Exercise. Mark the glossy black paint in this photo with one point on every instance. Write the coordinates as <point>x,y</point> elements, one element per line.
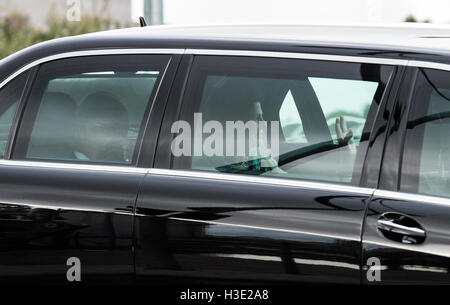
<point>425,263</point>
<point>136,39</point>
<point>213,231</point>
<point>389,175</point>
<point>426,260</point>
<point>49,215</point>
<point>376,143</point>
<point>20,110</point>
<point>147,152</point>
<point>163,157</point>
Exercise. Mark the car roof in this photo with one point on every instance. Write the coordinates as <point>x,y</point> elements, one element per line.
<point>409,41</point>
<point>403,36</point>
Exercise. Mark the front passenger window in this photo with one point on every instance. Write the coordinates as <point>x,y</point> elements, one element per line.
<point>90,109</point>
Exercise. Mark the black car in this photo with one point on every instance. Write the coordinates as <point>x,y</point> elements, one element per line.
<point>358,191</point>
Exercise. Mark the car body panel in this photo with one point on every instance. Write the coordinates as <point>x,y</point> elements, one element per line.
<point>222,231</point>
<point>50,214</point>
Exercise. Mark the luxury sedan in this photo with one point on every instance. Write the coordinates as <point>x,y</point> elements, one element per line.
<point>228,154</point>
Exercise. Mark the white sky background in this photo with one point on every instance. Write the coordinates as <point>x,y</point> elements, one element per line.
<point>299,11</point>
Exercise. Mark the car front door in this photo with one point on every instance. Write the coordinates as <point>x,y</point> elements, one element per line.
<point>209,213</point>
<point>407,232</point>
<point>70,181</point>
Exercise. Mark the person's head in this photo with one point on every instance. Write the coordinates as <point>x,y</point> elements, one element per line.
<point>102,128</point>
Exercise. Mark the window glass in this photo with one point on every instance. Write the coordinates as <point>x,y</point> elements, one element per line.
<point>355,95</point>
<point>9,100</point>
<point>91,109</point>
<point>313,114</point>
<point>290,120</point>
<point>426,167</point>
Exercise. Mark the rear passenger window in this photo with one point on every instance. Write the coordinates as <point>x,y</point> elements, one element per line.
<point>426,167</point>
<point>90,109</point>
<point>9,100</point>
<point>317,115</point>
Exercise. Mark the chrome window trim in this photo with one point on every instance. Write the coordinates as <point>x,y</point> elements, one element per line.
<point>292,55</point>
<point>325,186</point>
<point>429,65</point>
<point>89,53</point>
<point>75,166</point>
<point>289,182</point>
<point>410,197</point>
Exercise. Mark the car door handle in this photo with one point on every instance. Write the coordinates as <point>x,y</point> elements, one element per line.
<point>390,226</point>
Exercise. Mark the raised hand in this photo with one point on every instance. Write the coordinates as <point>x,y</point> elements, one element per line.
<point>345,135</point>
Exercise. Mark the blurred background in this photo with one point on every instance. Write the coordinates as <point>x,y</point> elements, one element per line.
<point>26,22</point>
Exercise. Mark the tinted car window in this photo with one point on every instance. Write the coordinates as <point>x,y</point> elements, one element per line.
<point>426,167</point>
<point>9,100</point>
<point>90,109</point>
<point>321,113</point>
<point>290,120</point>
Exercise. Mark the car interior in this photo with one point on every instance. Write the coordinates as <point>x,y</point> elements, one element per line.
<point>231,98</point>
<point>91,118</point>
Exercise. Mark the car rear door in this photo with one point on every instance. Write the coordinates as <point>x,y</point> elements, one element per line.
<point>69,179</point>
<point>294,215</point>
<point>407,223</point>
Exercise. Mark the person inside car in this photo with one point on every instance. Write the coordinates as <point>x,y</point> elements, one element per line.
<point>102,129</point>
